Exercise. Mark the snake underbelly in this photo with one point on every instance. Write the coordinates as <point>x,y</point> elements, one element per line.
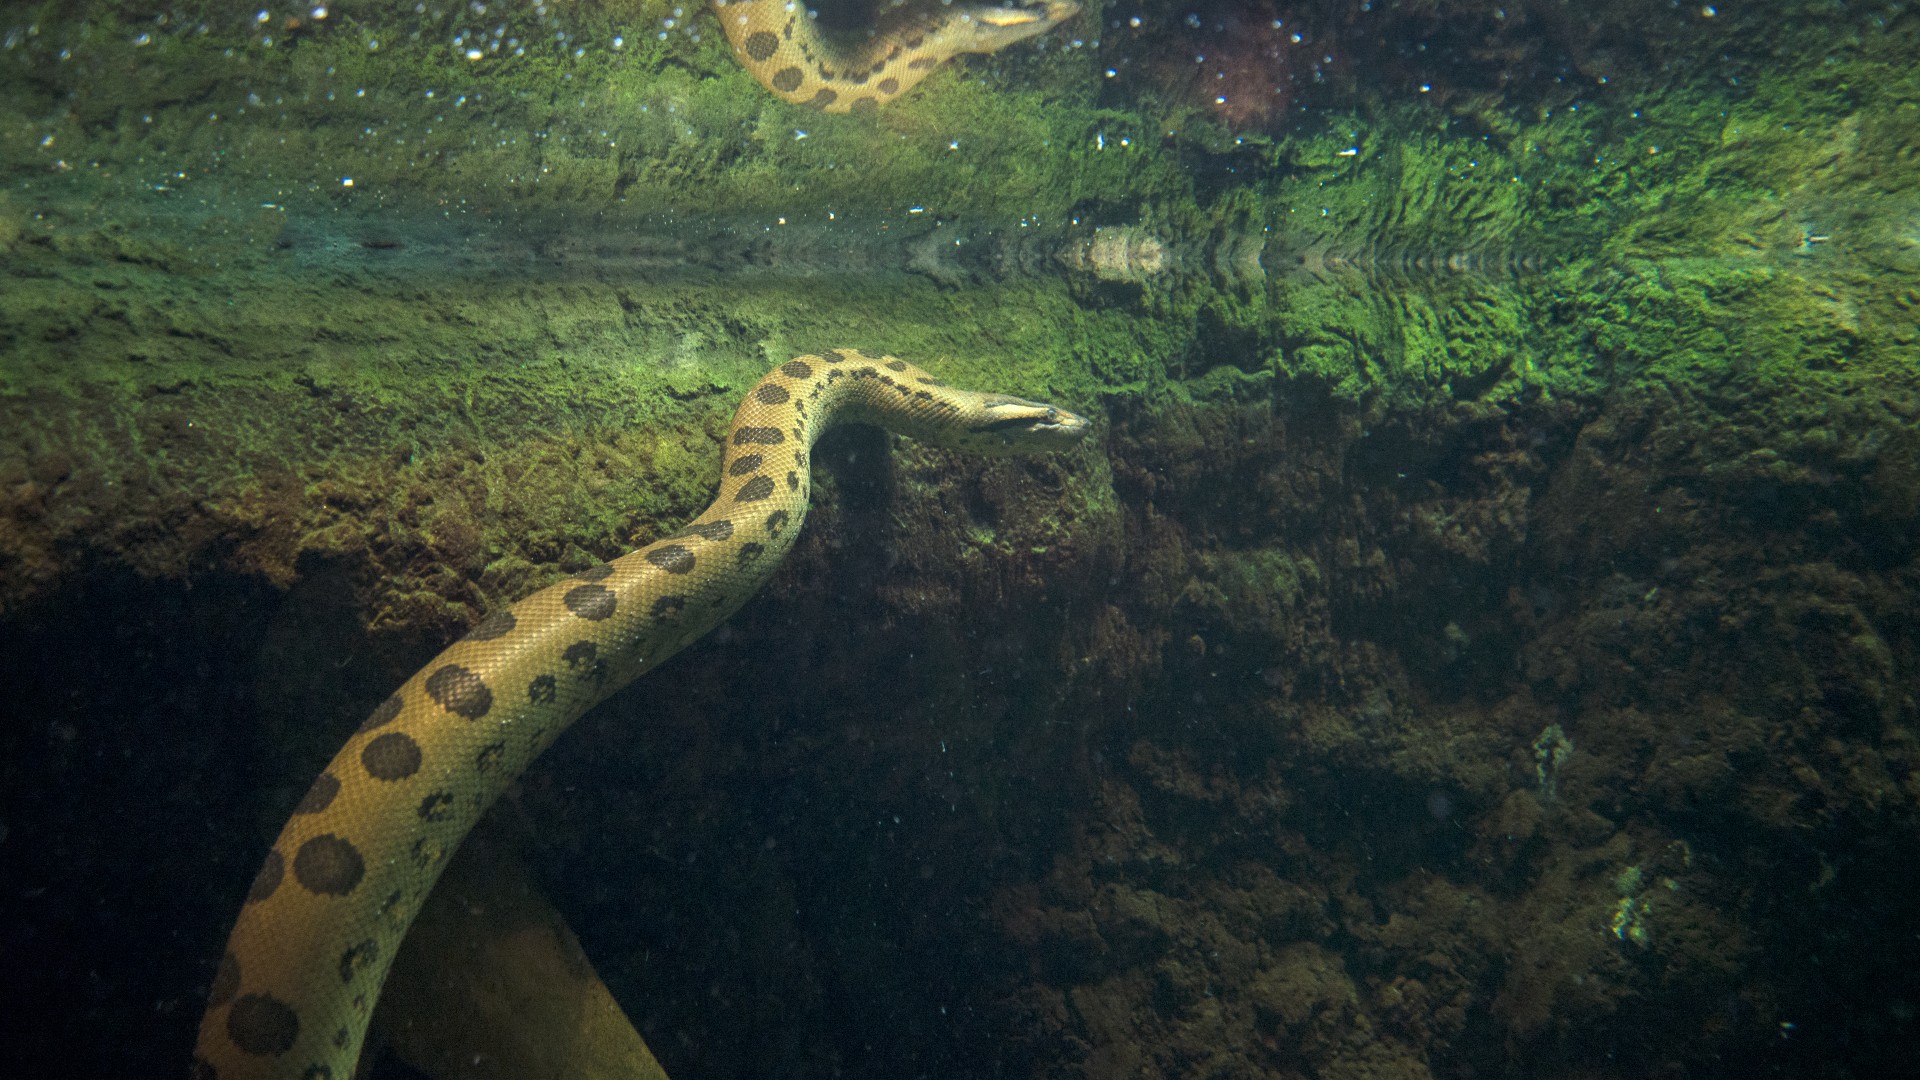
<point>311,948</point>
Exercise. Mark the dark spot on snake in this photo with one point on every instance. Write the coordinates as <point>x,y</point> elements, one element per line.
<point>672,558</point>
<point>712,530</point>
<point>888,86</point>
<point>226,981</point>
<point>744,465</point>
<point>775,522</point>
<point>320,795</point>
<point>489,757</point>
<point>393,756</point>
<point>771,394</point>
<point>580,655</point>
<point>382,715</point>
<point>796,369</point>
<point>923,395</point>
<point>896,365</point>
<point>823,99</point>
<point>786,80</point>
<point>263,1025</point>
<point>914,42</point>
<point>928,380</point>
<point>268,879</point>
<point>750,551</point>
<point>920,63</point>
<point>541,690</point>
<point>497,625</point>
<point>460,691</point>
<point>666,605</point>
<point>598,572</point>
<point>435,807</point>
<point>341,1038</point>
<point>760,436</point>
<point>793,481</point>
<point>357,959</point>
<point>328,865</point>
<point>592,602</point>
<point>760,45</point>
<point>754,490</point>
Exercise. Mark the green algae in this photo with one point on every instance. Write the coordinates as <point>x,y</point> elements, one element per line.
<point>667,123</point>
<point>1643,229</point>
<point>170,295</point>
<point>1486,249</point>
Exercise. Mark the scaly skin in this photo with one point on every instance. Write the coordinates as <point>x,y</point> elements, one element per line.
<point>327,911</point>
<point>784,48</point>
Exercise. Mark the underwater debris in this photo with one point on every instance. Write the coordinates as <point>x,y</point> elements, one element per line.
<point>1550,751</point>
<point>1629,921</point>
<point>1126,254</point>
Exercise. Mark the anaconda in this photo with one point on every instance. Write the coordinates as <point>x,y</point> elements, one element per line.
<point>782,44</point>
<point>320,925</point>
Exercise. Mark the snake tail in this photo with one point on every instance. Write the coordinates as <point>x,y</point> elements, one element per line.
<point>781,43</point>
<point>491,983</point>
<point>322,921</point>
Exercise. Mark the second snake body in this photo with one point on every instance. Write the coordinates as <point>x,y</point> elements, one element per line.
<point>782,44</point>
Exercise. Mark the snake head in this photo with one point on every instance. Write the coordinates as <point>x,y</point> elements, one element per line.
<point>1011,425</point>
<point>994,27</point>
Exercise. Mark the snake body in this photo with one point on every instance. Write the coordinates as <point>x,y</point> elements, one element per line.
<point>782,45</point>
<point>324,916</point>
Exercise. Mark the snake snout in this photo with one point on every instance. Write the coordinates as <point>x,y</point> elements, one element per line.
<point>1018,426</point>
<point>1060,428</point>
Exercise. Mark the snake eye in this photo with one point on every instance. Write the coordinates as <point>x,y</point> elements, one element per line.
<point>1052,415</point>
